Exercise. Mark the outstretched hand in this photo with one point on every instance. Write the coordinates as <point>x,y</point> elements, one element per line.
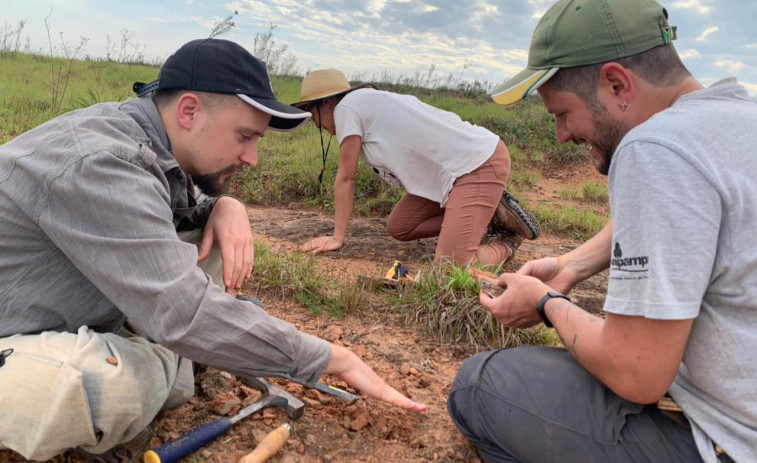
<point>349,368</point>
<point>229,226</point>
<point>322,244</point>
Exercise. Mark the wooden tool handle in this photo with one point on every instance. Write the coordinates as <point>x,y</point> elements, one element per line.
<point>270,444</point>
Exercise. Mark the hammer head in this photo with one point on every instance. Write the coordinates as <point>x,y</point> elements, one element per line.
<point>293,406</point>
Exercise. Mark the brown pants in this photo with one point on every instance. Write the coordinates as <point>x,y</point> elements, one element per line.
<point>461,224</point>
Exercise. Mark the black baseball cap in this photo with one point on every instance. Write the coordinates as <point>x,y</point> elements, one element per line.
<point>222,66</point>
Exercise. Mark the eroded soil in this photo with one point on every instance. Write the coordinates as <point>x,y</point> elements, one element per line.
<point>331,430</point>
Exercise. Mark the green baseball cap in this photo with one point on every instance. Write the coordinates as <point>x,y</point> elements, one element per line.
<point>581,32</point>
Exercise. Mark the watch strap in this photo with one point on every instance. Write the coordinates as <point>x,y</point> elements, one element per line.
<point>543,302</point>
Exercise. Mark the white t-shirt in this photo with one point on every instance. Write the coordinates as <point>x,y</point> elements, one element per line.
<point>683,196</point>
<point>410,144</point>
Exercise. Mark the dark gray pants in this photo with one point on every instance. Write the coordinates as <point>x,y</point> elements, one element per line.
<point>537,404</point>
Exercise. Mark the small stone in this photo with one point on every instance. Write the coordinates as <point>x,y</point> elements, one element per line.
<point>259,435</point>
<point>312,403</point>
<point>299,447</point>
<point>359,422</point>
<point>311,439</point>
<point>248,391</point>
<point>223,403</point>
<point>112,360</point>
<point>206,454</point>
<point>333,333</point>
<point>405,369</point>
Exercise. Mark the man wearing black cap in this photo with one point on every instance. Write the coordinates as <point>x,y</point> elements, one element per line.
<point>94,203</point>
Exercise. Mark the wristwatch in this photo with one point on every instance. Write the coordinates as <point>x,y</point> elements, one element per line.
<point>543,302</point>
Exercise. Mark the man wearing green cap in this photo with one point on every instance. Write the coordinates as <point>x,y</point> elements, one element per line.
<point>680,312</point>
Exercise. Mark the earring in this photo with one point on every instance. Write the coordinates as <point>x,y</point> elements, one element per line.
<point>625,106</point>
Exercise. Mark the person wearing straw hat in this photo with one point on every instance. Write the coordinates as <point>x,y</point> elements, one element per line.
<point>454,172</point>
<point>669,373</point>
<point>106,299</point>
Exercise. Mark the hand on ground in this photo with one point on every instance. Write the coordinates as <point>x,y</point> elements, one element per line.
<point>322,244</point>
<point>349,368</point>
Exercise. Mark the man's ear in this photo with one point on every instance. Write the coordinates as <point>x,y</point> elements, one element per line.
<point>616,83</point>
<point>188,108</point>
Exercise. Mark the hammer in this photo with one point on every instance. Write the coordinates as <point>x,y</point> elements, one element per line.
<point>273,396</point>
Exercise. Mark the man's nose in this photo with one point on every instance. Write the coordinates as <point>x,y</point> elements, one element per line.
<point>250,156</point>
<point>561,132</point>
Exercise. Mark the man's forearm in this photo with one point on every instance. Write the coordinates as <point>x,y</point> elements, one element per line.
<point>634,356</point>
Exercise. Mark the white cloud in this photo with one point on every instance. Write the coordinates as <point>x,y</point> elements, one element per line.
<point>752,88</point>
<point>733,67</point>
<point>689,54</point>
<point>207,23</point>
<point>710,30</point>
<point>695,5</point>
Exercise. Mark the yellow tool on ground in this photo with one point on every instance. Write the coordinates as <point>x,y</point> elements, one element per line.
<point>396,271</point>
<point>270,444</point>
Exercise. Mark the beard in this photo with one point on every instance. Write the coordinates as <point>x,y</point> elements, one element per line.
<point>211,184</point>
<point>607,136</point>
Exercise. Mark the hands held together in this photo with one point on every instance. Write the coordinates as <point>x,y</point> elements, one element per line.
<point>515,307</point>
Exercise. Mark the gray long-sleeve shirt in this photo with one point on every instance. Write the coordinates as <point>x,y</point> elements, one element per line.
<point>90,206</point>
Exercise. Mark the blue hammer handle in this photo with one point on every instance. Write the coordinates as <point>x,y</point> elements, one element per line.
<point>177,449</point>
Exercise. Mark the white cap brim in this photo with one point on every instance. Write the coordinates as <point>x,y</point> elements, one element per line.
<point>520,86</point>
<point>285,117</point>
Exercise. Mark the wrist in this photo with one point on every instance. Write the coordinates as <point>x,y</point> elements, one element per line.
<point>541,305</point>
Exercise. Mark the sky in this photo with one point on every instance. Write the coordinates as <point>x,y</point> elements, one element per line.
<point>372,40</point>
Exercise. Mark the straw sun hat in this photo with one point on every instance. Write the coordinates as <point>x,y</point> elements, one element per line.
<point>322,84</point>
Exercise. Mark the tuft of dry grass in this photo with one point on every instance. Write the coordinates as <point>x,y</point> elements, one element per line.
<point>445,303</point>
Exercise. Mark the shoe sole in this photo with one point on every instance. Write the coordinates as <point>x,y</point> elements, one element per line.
<point>510,215</point>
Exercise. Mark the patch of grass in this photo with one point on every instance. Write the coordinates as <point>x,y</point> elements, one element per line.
<point>445,303</point>
<point>591,192</point>
<point>580,223</point>
<point>569,193</point>
<point>26,88</point>
<point>595,192</point>
<point>296,275</point>
<point>286,274</point>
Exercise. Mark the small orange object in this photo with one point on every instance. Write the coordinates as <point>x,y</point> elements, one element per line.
<point>270,444</point>
<point>112,360</point>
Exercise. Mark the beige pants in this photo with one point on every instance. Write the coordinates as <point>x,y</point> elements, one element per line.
<point>86,389</point>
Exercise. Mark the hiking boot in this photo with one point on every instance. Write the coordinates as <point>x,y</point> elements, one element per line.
<point>122,453</point>
<point>506,236</point>
<point>510,215</point>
